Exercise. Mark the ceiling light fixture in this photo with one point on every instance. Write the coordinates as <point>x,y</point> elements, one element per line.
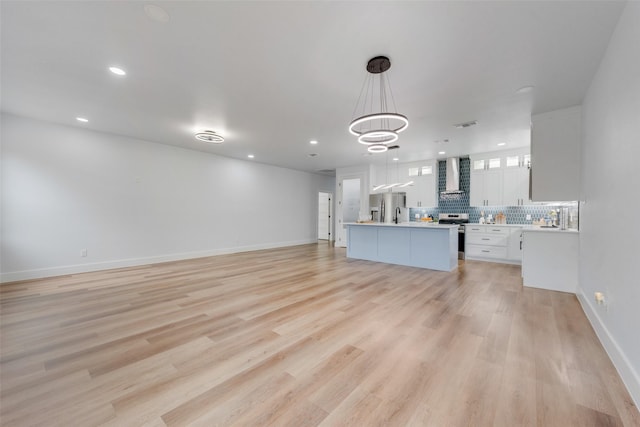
<point>442,152</point>
<point>82,119</point>
<point>376,128</point>
<point>377,148</point>
<point>117,71</point>
<point>397,183</point>
<point>313,142</point>
<point>209,136</point>
<point>251,156</point>
<point>500,144</point>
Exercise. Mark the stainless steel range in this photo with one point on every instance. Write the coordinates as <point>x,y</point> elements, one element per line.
<point>460,219</point>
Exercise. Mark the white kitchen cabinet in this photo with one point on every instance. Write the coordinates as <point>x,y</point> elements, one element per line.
<point>500,178</point>
<point>423,192</point>
<point>490,243</point>
<point>486,187</point>
<point>515,186</point>
<point>514,248</point>
<point>555,155</point>
<point>550,259</point>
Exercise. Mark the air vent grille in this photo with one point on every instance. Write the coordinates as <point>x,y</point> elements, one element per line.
<point>466,124</point>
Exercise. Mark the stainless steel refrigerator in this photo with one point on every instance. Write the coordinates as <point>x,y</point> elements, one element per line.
<point>389,207</point>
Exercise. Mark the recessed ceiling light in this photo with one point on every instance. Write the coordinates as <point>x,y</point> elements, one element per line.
<point>156,13</point>
<point>395,159</point>
<point>313,142</point>
<point>442,152</point>
<point>209,136</point>
<point>500,144</point>
<point>118,71</point>
<point>525,89</point>
<point>251,156</point>
<point>82,119</point>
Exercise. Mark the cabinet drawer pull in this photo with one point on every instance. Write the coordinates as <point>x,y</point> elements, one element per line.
<point>486,251</point>
<point>493,229</point>
<point>484,238</point>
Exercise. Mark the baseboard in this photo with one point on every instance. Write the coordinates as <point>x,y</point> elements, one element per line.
<point>132,262</point>
<point>629,376</point>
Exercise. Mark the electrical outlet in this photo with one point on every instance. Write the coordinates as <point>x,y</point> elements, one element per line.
<point>83,253</point>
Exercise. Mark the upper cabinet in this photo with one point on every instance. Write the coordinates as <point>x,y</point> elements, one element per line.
<point>423,191</point>
<point>500,178</point>
<point>417,179</point>
<point>515,186</point>
<point>555,155</point>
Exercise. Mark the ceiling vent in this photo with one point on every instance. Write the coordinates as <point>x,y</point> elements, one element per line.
<point>466,124</point>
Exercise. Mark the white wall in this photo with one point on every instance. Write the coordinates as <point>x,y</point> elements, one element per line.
<point>609,226</point>
<point>130,202</point>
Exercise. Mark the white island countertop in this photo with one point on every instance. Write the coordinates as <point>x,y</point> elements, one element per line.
<point>404,224</point>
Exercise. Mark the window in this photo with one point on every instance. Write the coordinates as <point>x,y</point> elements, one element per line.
<point>513,161</point>
<point>494,163</point>
<point>478,165</point>
<point>427,170</point>
<point>413,171</point>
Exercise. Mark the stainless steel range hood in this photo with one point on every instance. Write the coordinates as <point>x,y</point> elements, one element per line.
<point>453,176</point>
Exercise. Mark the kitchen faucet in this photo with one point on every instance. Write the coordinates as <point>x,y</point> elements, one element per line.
<point>397,216</point>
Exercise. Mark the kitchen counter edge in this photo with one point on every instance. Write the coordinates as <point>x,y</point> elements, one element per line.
<point>403,224</point>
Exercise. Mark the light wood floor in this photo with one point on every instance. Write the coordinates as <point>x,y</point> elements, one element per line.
<point>301,336</point>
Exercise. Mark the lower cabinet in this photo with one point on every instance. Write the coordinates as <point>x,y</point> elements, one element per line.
<point>497,243</point>
<point>550,260</point>
<point>514,251</point>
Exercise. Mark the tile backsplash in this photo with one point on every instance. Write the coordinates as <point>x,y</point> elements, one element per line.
<point>459,203</point>
<point>514,214</point>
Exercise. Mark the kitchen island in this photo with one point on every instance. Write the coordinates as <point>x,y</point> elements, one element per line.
<point>414,244</point>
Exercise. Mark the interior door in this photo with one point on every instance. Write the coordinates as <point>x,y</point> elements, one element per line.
<point>324,216</point>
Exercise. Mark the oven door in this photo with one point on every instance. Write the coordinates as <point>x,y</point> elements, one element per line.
<point>461,242</point>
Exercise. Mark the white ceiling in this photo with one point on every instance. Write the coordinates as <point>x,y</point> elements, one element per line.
<point>270,76</point>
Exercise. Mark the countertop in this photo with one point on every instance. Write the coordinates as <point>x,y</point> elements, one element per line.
<point>420,224</point>
<point>538,229</point>
<point>412,224</point>
<point>498,225</point>
<point>529,227</point>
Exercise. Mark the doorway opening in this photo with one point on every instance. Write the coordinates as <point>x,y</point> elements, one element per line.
<point>348,209</point>
<point>324,216</point>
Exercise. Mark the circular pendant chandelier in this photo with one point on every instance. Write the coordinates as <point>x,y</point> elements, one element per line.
<point>375,124</point>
